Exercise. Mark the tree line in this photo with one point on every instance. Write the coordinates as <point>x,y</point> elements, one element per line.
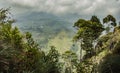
<point>19,53</point>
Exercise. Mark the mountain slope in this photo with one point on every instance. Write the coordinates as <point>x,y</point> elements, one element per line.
<point>44,26</point>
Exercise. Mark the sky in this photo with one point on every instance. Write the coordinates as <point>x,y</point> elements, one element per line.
<point>83,8</point>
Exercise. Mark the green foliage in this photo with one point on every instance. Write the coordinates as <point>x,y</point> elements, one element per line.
<point>19,53</point>
<point>110,18</point>
<point>70,60</point>
<point>110,64</point>
<point>116,49</point>
<point>88,29</point>
<point>84,67</point>
<point>70,55</point>
<point>95,19</point>
<point>102,42</point>
<point>11,45</point>
<point>88,32</point>
<point>50,62</point>
<point>3,14</point>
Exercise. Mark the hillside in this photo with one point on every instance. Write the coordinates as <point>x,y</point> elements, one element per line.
<point>44,26</point>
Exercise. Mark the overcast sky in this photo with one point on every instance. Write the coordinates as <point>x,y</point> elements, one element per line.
<point>65,7</point>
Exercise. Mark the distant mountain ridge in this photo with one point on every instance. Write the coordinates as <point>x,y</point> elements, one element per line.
<point>41,19</point>
<point>44,26</point>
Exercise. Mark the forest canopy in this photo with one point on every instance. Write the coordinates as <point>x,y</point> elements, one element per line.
<point>19,53</point>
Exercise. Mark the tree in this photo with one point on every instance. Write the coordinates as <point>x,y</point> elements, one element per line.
<point>11,43</point>
<point>109,42</point>
<point>52,59</point>
<point>71,60</point>
<point>110,18</point>
<point>19,53</point>
<point>88,32</point>
<point>110,23</point>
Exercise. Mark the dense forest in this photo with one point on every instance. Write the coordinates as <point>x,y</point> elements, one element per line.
<point>99,41</point>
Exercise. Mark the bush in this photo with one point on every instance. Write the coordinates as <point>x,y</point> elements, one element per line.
<point>110,64</point>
